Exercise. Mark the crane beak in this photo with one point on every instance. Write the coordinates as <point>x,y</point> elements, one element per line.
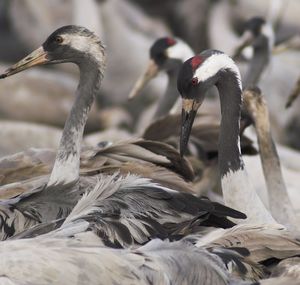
<point>150,73</point>
<point>189,111</point>
<point>37,57</point>
<point>245,41</point>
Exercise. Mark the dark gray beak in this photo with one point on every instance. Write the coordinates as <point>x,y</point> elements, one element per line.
<point>189,111</point>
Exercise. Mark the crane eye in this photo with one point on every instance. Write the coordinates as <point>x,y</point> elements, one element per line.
<point>194,81</point>
<point>160,56</point>
<point>58,39</point>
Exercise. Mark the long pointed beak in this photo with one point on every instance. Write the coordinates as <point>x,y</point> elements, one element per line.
<point>150,73</point>
<point>245,41</point>
<point>37,57</point>
<point>189,111</point>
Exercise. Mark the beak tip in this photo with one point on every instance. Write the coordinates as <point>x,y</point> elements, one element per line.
<point>2,76</point>
<point>130,97</point>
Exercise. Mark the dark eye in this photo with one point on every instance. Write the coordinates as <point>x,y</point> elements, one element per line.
<point>58,39</point>
<point>159,58</point>
<point>194,81</point>
<point>160,55</point>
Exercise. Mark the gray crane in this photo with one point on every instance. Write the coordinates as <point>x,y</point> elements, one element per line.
<point>196,76</point>
<point>55,197</point>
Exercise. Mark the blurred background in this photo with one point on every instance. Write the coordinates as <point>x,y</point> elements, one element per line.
<point>34,104</point>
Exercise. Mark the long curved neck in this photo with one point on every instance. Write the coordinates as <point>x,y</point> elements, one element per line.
<point>66,166</point>
<point>229,141</point>
<point>166,103</point>
<point>258,63</point>
<point>237,190</point>
<point>280,204</point>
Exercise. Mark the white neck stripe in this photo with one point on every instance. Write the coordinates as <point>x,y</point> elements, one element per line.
<point>212,65</point>
<point>180,50</point>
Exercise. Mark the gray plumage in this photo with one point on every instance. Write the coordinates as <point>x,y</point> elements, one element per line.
<point>289,267</point>
<point>40,201</point>
<point>56,199</point>
<point>20,209</point>
<point>40,205</point>
<point>286,272</point>
<point>82,261</point>
<point>130,210</point>
<point>263,241</point>
<point>143,157</point>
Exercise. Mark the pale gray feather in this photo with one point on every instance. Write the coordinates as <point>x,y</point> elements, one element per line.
<point>262,241</point>
<point>83,261</point>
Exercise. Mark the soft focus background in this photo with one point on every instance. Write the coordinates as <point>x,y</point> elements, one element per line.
<point>35,104</point>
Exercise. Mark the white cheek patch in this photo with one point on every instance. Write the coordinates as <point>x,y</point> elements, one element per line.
<point>212,65</point>
<point>84,44</point>
<point>180,50</point>
<point>80,43</point>
<point>248,52</point>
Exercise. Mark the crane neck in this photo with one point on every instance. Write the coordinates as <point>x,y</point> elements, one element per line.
<point>168,100</point>
<point>237,190</point>
<point>260,60</point>
<point>67,162</point>
<point>229,141</point>
<point>280,204</point>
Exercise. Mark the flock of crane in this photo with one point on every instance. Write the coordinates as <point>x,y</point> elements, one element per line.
<point>136,211</point>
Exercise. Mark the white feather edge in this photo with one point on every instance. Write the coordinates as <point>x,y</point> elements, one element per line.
<point>211,237</point>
